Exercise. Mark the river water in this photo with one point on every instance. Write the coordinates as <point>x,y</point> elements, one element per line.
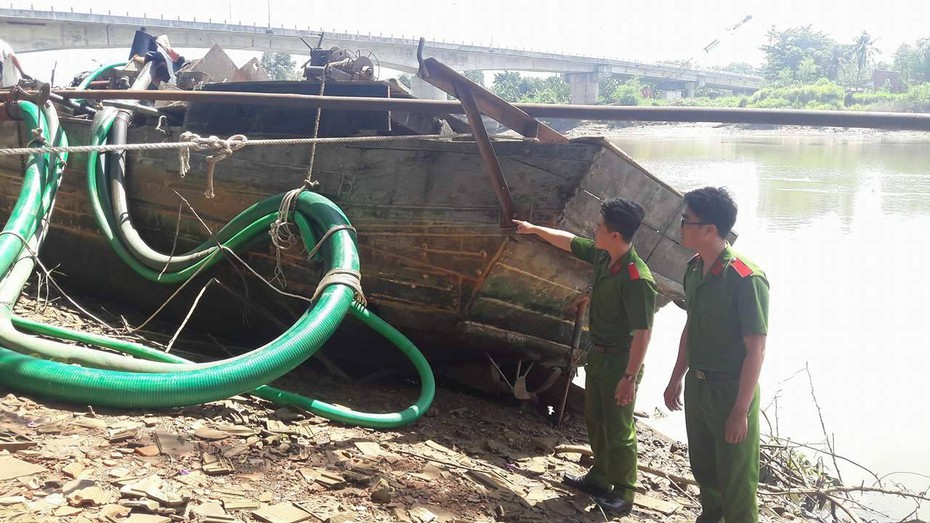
<point>839,222</point>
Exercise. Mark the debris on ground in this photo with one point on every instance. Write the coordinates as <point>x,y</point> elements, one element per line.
<point>244,459</point>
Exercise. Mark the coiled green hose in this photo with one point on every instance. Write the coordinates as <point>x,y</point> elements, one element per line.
<point>314,215</point>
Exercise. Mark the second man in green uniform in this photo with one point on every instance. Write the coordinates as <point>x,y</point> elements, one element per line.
<point>723,344</point>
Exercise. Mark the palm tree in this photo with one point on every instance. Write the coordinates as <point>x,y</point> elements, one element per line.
<point>863,49</point>
<point>839,57</point>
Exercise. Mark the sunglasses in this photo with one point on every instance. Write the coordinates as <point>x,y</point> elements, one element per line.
<point>684,221</point>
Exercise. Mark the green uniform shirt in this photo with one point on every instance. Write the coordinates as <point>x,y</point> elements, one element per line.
<point>729,302</point>
<point>623,296</point>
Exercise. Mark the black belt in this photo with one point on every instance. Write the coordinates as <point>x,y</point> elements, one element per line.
<point>705,375</point>
<point>603,349</point>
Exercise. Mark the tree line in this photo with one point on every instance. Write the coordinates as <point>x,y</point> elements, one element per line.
<point>802,69</point>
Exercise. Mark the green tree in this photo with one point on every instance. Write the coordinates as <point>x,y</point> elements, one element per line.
<point>629,92</point>
<point>836,62</point>
<point>922,60</point>
<point>808,71</point>
<point>549,90</point>
<point>862,51</point>
<point>905,61</point>
<point>507,85</point>
<point>475,76</point>
<point>279,66</point>
<point>787,49</point>
<point>513,87</point>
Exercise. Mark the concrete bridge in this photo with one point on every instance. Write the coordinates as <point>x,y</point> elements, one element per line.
<point>32,30</point>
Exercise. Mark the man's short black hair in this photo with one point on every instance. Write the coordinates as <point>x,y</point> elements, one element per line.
<point>622,216</point>
<point>713,205</point>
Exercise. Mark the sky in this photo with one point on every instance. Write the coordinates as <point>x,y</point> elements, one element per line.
<point>643,31</point>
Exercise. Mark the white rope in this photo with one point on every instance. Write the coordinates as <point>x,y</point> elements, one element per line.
<point>348,277</point>
<point>222,149</point>
<point>282,234</point>
<point>18,151</point>
<point>309,183</point>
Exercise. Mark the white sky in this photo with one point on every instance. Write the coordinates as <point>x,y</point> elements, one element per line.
<point>645,31</point>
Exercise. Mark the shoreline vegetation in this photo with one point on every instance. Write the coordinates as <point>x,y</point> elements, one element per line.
<point>802,69</point>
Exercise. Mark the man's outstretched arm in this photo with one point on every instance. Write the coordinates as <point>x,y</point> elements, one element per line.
<point>558,238</point>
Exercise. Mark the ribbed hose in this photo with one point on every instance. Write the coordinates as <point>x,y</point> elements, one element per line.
<point>313,215</point>
<point>116,172</point>
<point>235,235</point>
<point>133,390</point>
<point>282,397</point>
<point>29,206</point>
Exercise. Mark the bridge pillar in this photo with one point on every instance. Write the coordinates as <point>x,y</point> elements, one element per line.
<point>423,89</point>
<point>584,87</point>
<point>689,89</point>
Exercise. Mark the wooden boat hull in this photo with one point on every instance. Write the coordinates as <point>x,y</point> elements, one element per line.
<point>435,263</point>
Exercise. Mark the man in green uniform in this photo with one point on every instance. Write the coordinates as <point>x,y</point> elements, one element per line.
<point>622,307</point>
<point>723,344</point>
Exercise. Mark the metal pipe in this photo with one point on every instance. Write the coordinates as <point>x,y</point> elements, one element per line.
<point>71,104</point>
<point>581,309</point>
<point>130,106</point>
<point>874,120</point>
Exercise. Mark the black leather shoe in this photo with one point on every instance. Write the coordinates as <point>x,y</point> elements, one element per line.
<point>614,504</point>
<point>578,482</point>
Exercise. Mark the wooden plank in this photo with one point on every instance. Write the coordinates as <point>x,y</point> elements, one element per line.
<point>11,467</point>
<point>282,513</point>
<point>171,444</point>
<point>665,507</point>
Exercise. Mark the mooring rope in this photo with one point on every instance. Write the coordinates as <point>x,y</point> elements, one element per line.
<point>219,142</point>
<point>281,232</point>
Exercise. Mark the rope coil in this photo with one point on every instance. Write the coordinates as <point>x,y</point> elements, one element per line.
<point>282,233</point>
<point>223,149</point>
<point>38,138</point>
<point>347,277</point>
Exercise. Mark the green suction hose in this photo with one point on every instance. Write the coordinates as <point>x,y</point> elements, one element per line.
<point>314,216</point>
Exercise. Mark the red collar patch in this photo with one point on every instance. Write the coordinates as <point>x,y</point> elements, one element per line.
<point>741,268</point>
<point>615,268</point>
<point>717,267</point>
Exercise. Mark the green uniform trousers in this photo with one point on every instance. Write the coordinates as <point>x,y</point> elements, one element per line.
<point>611,431</point>
<point>728,475</point>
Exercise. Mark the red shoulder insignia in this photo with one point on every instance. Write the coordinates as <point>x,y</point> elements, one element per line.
<point>741,268</point>
<point>634,272</point>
